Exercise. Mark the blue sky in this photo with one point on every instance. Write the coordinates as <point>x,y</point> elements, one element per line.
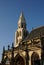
<point>9,14</point>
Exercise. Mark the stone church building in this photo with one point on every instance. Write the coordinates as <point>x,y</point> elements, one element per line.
<point>27,49</point>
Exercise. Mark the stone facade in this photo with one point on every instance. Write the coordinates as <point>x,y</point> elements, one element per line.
<point>28,48</point>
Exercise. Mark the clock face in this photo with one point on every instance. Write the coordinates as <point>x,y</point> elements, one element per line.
<point>19,61</point>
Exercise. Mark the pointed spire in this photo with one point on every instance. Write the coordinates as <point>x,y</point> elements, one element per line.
<point>8,47</point>
<point>3,48</point>
<point>21,15</point>
<point>21,19</point>
<point>12,44</point>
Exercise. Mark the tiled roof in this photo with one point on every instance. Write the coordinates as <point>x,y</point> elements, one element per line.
<point>36,33</point>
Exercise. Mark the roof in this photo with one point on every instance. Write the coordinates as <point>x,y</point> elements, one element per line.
<point>35,33</point>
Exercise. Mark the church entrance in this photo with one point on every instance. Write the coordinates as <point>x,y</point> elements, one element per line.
<point>35,59</point>
<point>19,60</point>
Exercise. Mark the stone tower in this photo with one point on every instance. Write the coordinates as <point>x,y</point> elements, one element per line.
<point>21,32</point>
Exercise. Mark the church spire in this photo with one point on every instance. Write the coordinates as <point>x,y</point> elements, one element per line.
<point>22,16</point>
<point>21,21</point>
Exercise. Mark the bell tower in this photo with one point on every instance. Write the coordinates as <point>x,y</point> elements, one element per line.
<point>21,32</point>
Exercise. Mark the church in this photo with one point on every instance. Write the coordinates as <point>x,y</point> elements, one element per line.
<point>27,49</point>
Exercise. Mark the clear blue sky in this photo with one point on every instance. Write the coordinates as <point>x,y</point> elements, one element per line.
<point>9,14</point>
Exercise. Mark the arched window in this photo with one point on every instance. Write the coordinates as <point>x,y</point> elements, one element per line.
<point>17,33</point>
<point>35,60</point>
<point>19,60</point>
<point>7,62</point>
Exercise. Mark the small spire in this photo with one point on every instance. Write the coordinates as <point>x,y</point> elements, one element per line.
<point>3,48</point>
<point>12,45</point>
<point>21,19</point>
<point>21,15</point>
<point>8,47</point>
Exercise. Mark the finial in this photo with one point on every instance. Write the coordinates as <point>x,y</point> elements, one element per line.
<point>3,48</point>
<point>22,14</point>
<point>32,28</point>
<point>12,44</point>
<point>8,47</point>
<point>21,19</point>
